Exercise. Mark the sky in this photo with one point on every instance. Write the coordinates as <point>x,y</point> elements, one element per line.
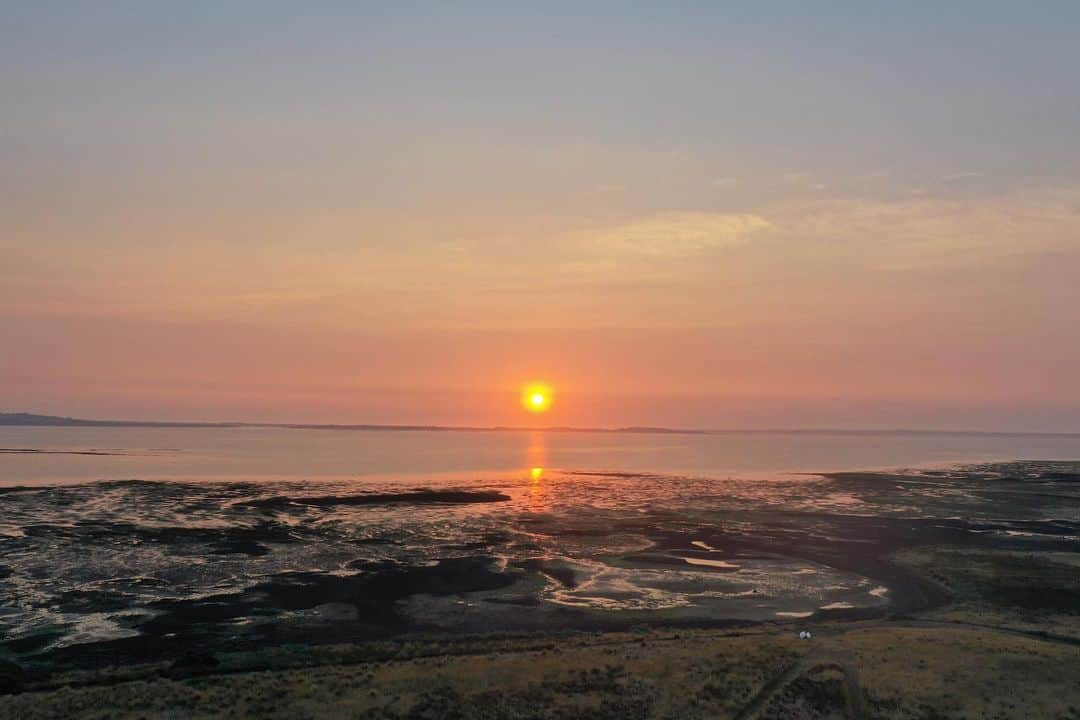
<point>724,215</point>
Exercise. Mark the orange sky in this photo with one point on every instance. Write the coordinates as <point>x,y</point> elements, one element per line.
<point>701,219</point>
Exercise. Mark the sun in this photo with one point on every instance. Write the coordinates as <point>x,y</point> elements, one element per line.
<point>536,397</point>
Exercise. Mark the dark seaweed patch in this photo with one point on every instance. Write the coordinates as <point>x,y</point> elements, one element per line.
<point>240,547</point>
<point>35,451</point>
<point>184,625</point>
<point>226,540</point>
<point>1061,476</point>
<point>90,601</point>
<point>32,643</point>
<point>613,474</point>
<point>423,497</point>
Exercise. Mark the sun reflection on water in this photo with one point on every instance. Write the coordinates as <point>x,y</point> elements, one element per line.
<point>535,462</point>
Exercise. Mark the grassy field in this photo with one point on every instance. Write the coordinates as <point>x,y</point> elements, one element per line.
<point>945,672</point>
<point>687,674</point>
<point>873,670</point>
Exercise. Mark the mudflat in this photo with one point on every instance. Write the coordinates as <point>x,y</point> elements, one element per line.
<point>930,593</point>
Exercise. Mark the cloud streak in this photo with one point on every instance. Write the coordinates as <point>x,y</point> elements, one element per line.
<point>678,234</point>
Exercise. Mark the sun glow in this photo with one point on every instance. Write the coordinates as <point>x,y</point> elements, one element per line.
<point>536,397</point>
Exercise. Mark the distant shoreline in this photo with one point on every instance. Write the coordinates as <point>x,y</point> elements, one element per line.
<point>22,419</point>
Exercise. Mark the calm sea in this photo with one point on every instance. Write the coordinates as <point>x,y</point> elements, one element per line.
<point>191,454</point>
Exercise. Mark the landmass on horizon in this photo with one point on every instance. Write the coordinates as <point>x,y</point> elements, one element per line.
<point>24,419</point>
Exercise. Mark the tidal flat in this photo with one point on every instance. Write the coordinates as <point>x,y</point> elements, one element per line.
<point>575,594</point>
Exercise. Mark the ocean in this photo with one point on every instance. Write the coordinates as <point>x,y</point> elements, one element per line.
<point>265,453</point>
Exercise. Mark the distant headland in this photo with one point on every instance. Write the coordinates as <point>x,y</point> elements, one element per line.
<point>24,419</point>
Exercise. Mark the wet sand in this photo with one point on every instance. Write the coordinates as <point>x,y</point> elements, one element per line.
<point>136,598</point>
<point>122,572</point>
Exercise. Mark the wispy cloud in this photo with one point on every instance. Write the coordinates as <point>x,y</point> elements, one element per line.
<point>678,234</point>
<point>926,231</point>
<point>961,176</point>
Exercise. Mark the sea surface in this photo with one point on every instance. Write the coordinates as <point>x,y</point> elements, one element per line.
<point>262,454</point>
<point>125,544</point>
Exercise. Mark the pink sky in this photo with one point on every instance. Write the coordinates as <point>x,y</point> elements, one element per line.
<point>701,220</point>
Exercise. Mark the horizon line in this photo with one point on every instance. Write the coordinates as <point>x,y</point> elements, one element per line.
<point>25,419</point>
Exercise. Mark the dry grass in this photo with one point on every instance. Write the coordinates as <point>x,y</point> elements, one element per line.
<point>905,672</point>
<point>964,673</point>
<point>691,674</point>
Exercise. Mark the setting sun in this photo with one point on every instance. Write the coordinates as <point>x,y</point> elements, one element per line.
<point>536,397</point>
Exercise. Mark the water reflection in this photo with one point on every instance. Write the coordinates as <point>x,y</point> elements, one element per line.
<point>535,461</point>
<point>536,452</point>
